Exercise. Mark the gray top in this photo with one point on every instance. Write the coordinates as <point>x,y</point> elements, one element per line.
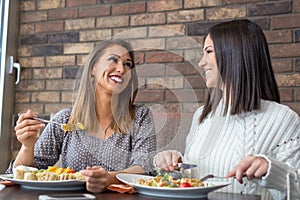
<point>78,149</point>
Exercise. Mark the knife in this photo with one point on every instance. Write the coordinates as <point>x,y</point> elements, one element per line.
<point>186,166</point>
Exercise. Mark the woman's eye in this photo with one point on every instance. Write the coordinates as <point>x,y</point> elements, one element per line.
<point>114,59</point>
<point>129,65</point>
<point>209,51</point>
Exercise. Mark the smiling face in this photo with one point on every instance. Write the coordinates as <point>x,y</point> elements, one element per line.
<point>209,63</point>
<point>112,70</point>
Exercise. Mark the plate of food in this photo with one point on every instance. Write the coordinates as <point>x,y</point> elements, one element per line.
<point>166,186</point>
<point>53,178</point>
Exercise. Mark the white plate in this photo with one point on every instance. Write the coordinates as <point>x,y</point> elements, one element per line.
<point>47,185</point>
<point>192,192</point>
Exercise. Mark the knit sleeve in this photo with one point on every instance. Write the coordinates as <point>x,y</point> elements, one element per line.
<point>194,125</point>
<point>284,155</point>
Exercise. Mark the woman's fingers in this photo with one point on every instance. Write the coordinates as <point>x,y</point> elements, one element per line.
<point>96,178</point>
<point>27,128</point>
<point>167,160</point>
<point>252,166</point>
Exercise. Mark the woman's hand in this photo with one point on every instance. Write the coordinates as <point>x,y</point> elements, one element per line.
<point>252,166</point>
<point>167,160</point>
<point>97,179</point>
<point>27,129</point>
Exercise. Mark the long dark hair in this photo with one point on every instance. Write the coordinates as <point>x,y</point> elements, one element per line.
<point>84,106</point>
<point>245,68</point>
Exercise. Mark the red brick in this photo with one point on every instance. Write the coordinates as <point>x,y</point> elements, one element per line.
<point>296,4</point>
<point>26,29</point>
<point>269,8</point>
<point>33,16</point>
<point>68,13</point>
<point>82,3</point>
<point>54,107</point>
<point>289,21</point>
<point>201,3</point>
<point>22,97</point>
<point>49,27</point>
<point>129,8</point>
<point>80,24</point>
<point>45,97</point>
<point>50,4</point>
<point>286,94</point>
<point>181,69</point>
<point>165,82</point>
<point>139,57</point>
<point>34,107</point>
<point>195,82</point>
<point>155,6</point>
<point>26,74</point>
<point>279,36</point>
<point>162,56</point>
<point>112,21</point>
<point>151,70</point>
<point>185,16</point>
<point>184,95</point>
<point>282,65</point>
<point>297,95</point>
<point>94,11</point>
<point>150,96</point>
<point>166,30</point>
<point>27,5</point>
<point>242,1</point>
<point>228,12</point>
<point>25,51</point>
<point>62,84</point>
<point>285,50</point>
<point>286,80</point>
<point>148,19</point>
<point>27,85</point>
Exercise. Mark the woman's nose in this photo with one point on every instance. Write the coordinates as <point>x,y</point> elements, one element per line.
<point>202,62</point>
<point>120,67</point>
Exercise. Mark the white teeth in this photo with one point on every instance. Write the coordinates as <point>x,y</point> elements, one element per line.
<point>207,72</point>
<point>116,79</point>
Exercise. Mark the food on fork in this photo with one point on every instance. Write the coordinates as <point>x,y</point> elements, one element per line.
<point>65,127</point>
<point>72,127</point>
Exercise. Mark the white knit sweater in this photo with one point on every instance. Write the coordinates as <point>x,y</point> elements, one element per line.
<point>219,143</point>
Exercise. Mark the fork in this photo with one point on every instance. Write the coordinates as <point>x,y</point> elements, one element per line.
<point>213,176</point>
<point>64,127</point>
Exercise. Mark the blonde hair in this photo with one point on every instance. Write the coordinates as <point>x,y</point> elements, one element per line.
<point>123,108</point>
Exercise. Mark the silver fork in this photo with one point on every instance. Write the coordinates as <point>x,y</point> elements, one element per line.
<point>64,127</point>
<point>47,121</point>
<point>213,176</point>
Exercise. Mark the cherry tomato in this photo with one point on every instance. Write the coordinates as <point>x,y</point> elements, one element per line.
<point>185,184</point>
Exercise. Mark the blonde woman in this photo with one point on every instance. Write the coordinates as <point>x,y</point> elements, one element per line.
<point>118,137</point>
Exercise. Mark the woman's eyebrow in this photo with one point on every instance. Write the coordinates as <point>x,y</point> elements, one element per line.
<point>205,48</point>
<point>128,59</point>
<point>114,55</point>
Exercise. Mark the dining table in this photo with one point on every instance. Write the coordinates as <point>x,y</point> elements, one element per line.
<point>16,192</point>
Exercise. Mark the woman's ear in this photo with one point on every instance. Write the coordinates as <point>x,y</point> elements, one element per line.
<point>93,74</point>
<point>93,71</point>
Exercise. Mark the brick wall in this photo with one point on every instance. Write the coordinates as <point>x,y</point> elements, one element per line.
<point>56,36</point>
